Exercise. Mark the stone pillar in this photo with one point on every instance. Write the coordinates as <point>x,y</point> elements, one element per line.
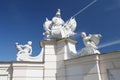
<point>65,49</point>
<point>49,60</point>
<point>55,52</point>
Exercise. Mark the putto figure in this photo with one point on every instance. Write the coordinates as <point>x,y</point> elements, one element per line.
<point>91,41</point>
<point>23,50</point>
<point>58,29</point>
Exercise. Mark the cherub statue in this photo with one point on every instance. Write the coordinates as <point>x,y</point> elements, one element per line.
<point>57,28</point>
<point>23,50</point>
<point>91,41</point>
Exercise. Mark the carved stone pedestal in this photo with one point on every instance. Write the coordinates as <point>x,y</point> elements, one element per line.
<point>55,52</point>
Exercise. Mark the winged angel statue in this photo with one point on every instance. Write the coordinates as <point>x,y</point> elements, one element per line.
<point>57,28</point>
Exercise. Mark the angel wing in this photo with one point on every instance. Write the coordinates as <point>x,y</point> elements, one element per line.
<point>47,24</point>
<point>95,38</point>
<point>71,24</point>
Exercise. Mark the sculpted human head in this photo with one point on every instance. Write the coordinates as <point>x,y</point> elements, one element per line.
<point>16,43</point>
<point>83,34</point>
<point>57,19</point>
<point>58,14</point>
<point>29,42</point>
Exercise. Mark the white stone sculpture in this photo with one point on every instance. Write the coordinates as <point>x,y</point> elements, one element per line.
<point>91,41</point>
<point>25,52</point>
<point>58,29</point>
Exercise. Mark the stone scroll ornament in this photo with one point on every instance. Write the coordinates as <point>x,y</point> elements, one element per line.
<point>91,41</point>
<point>56,28</point>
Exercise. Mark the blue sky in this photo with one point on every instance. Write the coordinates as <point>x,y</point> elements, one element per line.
<point>22,20</point>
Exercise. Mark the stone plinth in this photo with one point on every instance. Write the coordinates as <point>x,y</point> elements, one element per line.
<point>55,54</point>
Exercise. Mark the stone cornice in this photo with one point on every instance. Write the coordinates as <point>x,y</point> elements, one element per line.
<point>57,42</point>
